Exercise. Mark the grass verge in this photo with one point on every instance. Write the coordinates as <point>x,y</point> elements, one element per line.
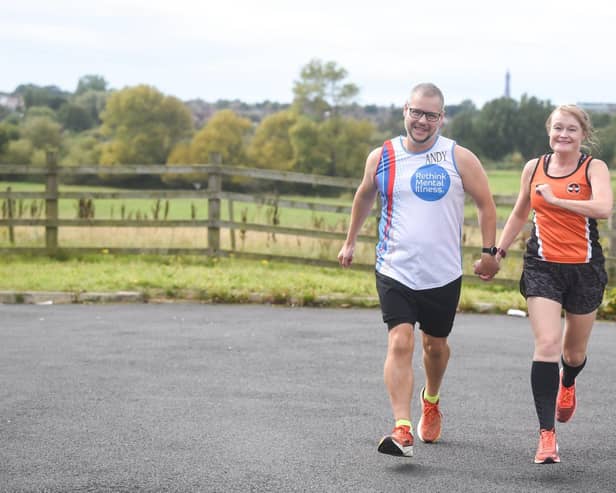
<point>224,280</point>
<point>230,280</point>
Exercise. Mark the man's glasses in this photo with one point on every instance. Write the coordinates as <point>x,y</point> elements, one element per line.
<point>416,114</point>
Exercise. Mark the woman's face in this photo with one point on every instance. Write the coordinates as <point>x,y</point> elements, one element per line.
<point>566,134</point>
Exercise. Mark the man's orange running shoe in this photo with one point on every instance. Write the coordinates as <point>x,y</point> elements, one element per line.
<point>429,426</point>
<point>399,443</point>
<point>547,451</point>
<point>565,401</point>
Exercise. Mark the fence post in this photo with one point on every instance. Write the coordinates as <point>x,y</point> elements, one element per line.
<point>214,187</point>
<point>232,219</point>
<point>10,210</point>
<point>51,203</point>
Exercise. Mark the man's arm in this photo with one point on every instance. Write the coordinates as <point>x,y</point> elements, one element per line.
<point>475,183</point>
<point>362,205</point>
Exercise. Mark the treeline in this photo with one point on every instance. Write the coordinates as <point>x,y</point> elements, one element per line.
<point>322,131</point>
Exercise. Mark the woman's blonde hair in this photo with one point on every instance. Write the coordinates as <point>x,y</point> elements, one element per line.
<point>583,119</point>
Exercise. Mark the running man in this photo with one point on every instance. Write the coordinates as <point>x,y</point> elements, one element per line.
<point>421,179</point>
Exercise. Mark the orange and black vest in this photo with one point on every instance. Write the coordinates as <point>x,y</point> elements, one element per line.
<point>559,235</point>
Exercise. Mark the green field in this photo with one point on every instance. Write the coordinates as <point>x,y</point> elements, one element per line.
<point>503,182</point>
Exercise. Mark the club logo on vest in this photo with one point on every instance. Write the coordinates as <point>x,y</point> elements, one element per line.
<point>573,188</point>
<point>430,182</point>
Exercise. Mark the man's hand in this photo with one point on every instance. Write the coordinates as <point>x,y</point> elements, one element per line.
<point>345,257</point>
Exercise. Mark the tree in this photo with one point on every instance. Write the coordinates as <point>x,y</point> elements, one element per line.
<point>4,112</point>
<point>462,127</point>
<point>606,148</point>
<point>320,92</point>
<point>310,155</point>
<point>600,120</point>
<point>18,152</point>
<point>93,102</point>
<point>226,134</point>
<point>8,132</point>
<point>497,128</point>
<point>43,132</point>
<point>179,155</point>
<point>348,142</point>
<point>271,145</point>
<point>81,149</point>
<point>451,110</point>
<point>75,117</point>
<point>143,126</point>
<point>337,147</point>
<point>40,111</point>
<point>324,141</point>
<point>91,83</point>
<point>530,137</point>
<point>34,95</point>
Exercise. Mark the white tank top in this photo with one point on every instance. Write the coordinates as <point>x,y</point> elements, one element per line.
<point>420,231</point>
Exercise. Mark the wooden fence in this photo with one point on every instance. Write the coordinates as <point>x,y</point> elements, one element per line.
<point>214,195</point>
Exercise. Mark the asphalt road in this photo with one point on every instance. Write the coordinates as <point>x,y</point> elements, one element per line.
<point>214,398</point>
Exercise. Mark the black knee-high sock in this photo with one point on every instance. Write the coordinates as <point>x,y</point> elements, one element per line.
<point>570,372</point>
<point>544,382</point>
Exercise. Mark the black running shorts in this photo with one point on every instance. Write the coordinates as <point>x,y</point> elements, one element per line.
<point>434,309</point>
<point>577,287</point>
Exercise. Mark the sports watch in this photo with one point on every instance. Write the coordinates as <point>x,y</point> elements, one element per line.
<point>491,250</point>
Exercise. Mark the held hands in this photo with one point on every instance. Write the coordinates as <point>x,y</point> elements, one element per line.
<point>487,267</point>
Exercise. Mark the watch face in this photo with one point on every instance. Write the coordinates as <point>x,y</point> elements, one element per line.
<point>491,250</point>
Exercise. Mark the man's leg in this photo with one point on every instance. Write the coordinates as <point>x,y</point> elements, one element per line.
<point>398,376</point>
<point>438,311</point>
<point>436,354</point>
<point>398,369</point>
<point>435,357</point>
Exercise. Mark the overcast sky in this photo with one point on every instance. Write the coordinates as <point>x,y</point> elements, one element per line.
<point>254,50</point>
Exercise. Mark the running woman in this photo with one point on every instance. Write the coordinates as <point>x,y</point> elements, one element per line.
<point>567,190</point>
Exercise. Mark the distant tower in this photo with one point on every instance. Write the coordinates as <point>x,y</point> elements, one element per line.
<point>507,85</point>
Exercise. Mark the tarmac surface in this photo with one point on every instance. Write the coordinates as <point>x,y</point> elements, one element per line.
<point>252,398</point>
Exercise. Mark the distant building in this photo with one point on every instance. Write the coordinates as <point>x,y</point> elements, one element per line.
<point>507,84</point>
<point>11,101</point>
<point>599,107</point>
